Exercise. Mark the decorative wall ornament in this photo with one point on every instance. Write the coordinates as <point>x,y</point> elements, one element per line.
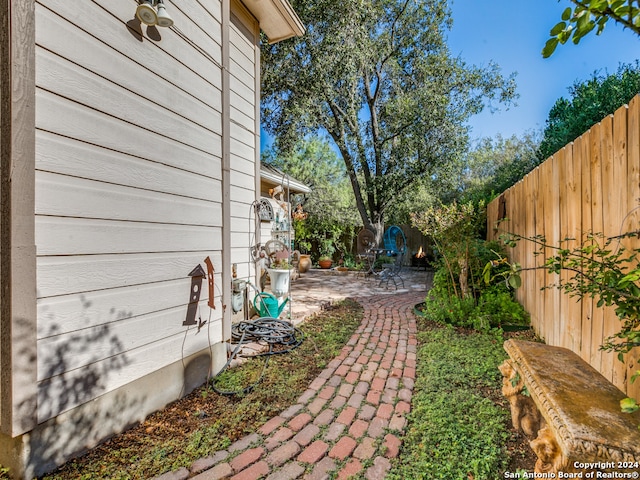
<point>265,210</point>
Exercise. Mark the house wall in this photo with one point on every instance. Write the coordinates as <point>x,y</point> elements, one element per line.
<point>244,138</point>
<point>144,166</point>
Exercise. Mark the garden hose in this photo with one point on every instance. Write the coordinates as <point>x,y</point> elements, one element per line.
<point>273,331</point>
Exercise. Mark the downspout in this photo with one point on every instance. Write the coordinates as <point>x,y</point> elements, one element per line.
<point>226,172</point>
<point>257,144</point>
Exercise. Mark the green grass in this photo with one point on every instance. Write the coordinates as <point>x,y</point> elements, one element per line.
<point>138,454</point>
<point>454,431</point>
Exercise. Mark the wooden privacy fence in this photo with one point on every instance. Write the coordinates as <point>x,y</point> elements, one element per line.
<point>591,185</point>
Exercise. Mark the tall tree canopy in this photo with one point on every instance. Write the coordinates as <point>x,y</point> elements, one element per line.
<point>590,101</point>
<point>495,164</point>
<point>376,75</point>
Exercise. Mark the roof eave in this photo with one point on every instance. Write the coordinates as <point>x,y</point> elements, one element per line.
<point>294,185</point>
<point>277,19</point>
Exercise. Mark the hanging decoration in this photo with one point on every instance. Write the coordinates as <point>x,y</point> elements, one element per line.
<point>299,213</point>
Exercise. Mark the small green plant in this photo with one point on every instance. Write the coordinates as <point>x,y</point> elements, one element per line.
<point>349,261</point>
<point>453,431</point>
<point>490,303</point>
<point>496,308</point>
<point>454,229</point>
<point>282,264</point>
<point>327,248</point>
<point>4,472</point>
<point>382,260</point>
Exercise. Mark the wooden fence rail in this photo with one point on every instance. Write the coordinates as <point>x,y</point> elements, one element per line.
<point>592,185</point>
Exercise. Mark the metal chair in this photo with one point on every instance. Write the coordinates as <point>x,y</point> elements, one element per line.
<point>394,240</point>
<point>391,271</point>
<point>366,240</point>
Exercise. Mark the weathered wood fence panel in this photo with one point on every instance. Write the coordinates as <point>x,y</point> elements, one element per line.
<point>591,185</point>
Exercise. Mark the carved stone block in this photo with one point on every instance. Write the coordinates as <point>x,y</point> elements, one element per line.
<point>525,415</point>
<point>576,411</point>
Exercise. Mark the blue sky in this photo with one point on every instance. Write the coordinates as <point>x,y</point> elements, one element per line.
<point>512,33</point>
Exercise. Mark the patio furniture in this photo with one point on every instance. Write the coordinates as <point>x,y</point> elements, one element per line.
<point>366,241</point>
<point>394,240</point>
<point>572,411</point>
<point>391,272</point>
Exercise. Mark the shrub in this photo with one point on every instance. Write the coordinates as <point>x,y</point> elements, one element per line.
<point>490,306</point>
<point>497,307</point>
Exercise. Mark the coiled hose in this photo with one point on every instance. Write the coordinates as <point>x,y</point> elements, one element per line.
<point>276,333</point>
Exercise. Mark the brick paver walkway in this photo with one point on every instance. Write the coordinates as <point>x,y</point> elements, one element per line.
<point>351,418</point>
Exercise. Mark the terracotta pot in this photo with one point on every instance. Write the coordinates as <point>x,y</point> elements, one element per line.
<point>325,263</point>
<point>305,263</point>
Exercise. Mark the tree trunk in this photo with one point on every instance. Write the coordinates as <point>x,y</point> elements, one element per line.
<point>378,230</point>
<point>464,277</point>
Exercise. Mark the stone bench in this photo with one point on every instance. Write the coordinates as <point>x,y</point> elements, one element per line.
<point>570,410</point>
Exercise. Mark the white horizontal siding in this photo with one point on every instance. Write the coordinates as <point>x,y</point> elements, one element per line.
<point>244,141</point>
<point>74,236</point>
<point>128,193</point>
<point>71,157</point>
<point>126,66</point>
<point>92,345</point>
<point>80,86</point>
<point>61,195</point>
<point>243,180</point>
<point>242,156</point>
<point>61,392</point>
<point>112,23</point>
<point>242,195</point>
<point>242,211</point>
<point>102,272</point>
<point>243,134</point>
<point>208,20</point>
<point>57,115</point>
<point>70,313</point>
<point>241,74</point>
<point>241,51</point>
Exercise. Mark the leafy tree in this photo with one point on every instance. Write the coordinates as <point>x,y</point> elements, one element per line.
<point>376,75</point>
<point>454,229</point>
<point>493,165</point>
<point>332,215</point>
<point>588,15</point>
<point>423,193</point>
<point>589,103</point>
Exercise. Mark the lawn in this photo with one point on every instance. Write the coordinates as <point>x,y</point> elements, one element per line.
<point>459,427</point>
<point>460,424</point>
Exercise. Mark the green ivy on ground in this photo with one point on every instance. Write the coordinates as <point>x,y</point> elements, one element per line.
<point>454,431</point>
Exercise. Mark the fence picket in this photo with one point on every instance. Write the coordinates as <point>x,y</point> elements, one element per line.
<point>591,185</point>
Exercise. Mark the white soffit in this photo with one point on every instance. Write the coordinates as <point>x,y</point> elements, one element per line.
<point>277,19</point>
<point>278,178</point>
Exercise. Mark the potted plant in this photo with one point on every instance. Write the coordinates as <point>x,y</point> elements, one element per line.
<point>279,273</point>
<point>325,261</point>
<point>326,251</point>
